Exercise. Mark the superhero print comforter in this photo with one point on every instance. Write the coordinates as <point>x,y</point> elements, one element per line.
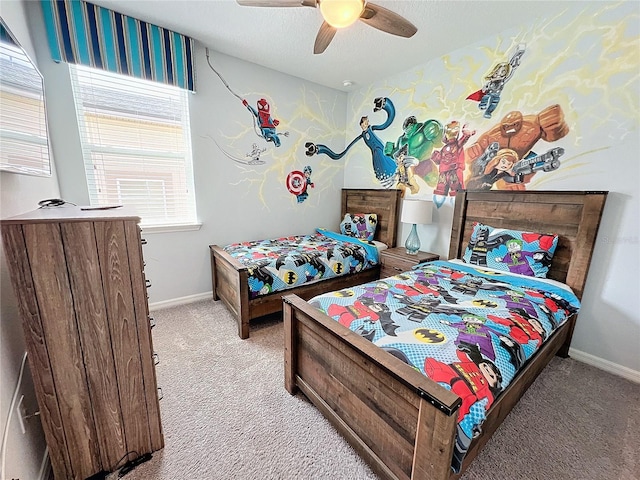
<point>467,328</point>
<point>288,262</point>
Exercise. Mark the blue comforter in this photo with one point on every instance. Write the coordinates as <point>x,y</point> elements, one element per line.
<point>467,328</point>
<point>288,262</point>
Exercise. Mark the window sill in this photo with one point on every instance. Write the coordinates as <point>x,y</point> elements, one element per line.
<point>184,227</point>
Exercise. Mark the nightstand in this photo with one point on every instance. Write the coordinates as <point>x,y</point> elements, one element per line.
<point>396,260</point>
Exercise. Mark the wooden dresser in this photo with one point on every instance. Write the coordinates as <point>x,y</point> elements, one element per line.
<point>78,276</point>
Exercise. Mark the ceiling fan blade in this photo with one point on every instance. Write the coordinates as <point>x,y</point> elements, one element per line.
<point>324,37</point>
<point>273,3</point>
<point>387,21</point>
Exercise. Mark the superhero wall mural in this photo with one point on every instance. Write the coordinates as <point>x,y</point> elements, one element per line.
<point>265,136</point>
<point>492,147</point>
<point>516,112</point>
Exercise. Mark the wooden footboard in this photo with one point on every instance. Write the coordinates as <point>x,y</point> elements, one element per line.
<point>229,279</point>
<point>401,422</point>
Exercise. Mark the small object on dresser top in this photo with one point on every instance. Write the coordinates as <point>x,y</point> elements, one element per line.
<point>99,207</point>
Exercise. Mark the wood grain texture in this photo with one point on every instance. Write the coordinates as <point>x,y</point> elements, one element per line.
<point>573,216</point>
<point>229,278</point>
<point>79,242</point>
<point>384,203</point>
<point>396,260</point>
<point>53,293</point>
<point>38,355</point>
<point>145,343</point>
<point>114,264</point>
<point>339,371</point>
<point>81,294</point>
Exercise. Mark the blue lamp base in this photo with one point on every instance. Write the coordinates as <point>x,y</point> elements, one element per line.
<point>413,242</point>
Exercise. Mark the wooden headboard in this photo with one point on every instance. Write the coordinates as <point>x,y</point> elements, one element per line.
<point>384,203</point>
<point>573,215</point>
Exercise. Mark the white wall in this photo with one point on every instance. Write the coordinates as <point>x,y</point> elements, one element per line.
<point>240,202</point>
<point>18,194</point>
<point>588,61</point>
<point>235,202</point>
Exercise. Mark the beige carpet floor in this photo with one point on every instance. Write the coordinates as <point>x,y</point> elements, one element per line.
<point>226,415</point>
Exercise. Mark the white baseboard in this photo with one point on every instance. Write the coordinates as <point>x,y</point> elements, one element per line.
<point>605,365</point>
<point>174,302</point>
<point>45,466</point>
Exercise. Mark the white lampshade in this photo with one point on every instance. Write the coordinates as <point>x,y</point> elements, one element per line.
<point>341,13</point>
<point>416,211</point>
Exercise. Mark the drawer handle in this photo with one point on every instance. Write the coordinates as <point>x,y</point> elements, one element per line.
<point>156,358</point>
<point>152,322</point>
<point>147,283</point>
<point>160,394</point>
<point>143,241</point>
<point>397,269</point>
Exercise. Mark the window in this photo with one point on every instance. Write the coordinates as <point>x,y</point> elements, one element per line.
<point>24,146</point>
<point>136,145</point>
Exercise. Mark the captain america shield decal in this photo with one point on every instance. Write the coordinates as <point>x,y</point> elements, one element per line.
<point>296,182</point>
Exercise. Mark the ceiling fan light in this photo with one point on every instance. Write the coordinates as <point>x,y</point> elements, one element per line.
<point>341,13</point>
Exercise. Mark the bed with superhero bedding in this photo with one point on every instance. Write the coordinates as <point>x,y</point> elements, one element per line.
<point>250,277</point>
<point>418,370</point>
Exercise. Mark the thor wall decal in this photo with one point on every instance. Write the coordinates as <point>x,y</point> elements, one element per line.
<point>495,80</point>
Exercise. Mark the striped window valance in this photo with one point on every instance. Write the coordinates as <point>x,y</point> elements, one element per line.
<point>87,34</point>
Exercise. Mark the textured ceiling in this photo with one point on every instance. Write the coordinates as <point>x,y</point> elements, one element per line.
<point>283,38</point>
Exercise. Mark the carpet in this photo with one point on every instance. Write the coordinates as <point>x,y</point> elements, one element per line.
<point>226,415</point>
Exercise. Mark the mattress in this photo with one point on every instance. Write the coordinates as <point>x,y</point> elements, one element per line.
<point>282,263</point>
<point>470,329</point>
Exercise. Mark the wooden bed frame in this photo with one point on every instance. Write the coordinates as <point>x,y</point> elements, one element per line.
<point>401,422</point>
<point>229,277</point>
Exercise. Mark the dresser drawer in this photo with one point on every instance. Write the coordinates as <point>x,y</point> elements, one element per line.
<point>393,266</point>
<point>394,261</point>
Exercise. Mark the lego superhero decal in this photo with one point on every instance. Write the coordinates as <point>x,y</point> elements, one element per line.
<point>384,166</point>
<point>502,158</point>
<point>417,142</point>
<point>506,167</point>
<point>495,80</point>
<point>298,182</point>
<point>254,154</point>
<point>450,159</point>
<point>263,123</point>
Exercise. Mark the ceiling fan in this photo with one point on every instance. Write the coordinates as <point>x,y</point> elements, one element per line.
<point>342,13</point>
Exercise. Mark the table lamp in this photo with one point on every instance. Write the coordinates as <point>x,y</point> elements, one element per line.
<point>416,212</point>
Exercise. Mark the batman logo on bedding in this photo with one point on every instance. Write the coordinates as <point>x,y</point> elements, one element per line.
<point>344,293</point>
<point>427,335</point>
<point>338,268</point>
<point>290,277</point>
<point>484,303</point>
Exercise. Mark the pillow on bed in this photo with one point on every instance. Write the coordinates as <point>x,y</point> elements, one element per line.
<point>359,225</point>
<point>526,253</point>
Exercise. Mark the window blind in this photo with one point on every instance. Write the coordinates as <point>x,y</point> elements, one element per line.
<point>136,145</point>
<point>23,119</point>
<point>86,34</point>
